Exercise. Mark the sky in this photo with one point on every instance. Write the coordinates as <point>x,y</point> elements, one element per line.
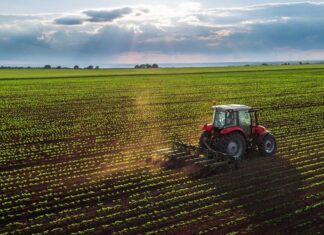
<point>103,32</point>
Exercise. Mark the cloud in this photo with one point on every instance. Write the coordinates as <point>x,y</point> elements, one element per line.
<point>21,42</point>
<point>107,15</point>
<point>69,20</point>
<point>17,18</point>
<point>262,37</point>
<point>217,33</point>
<point>97,16</point>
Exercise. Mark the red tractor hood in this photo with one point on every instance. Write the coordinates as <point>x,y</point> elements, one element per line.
<point>208,127</point>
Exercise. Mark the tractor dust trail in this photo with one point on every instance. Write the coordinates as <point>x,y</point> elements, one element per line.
<point>155,135</point>
<point>146,139</point>
<point>146,112</point>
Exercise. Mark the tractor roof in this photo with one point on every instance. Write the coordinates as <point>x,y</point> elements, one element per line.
<point>233,107</point>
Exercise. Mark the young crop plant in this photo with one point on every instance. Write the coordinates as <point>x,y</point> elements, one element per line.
<point>74,146</point>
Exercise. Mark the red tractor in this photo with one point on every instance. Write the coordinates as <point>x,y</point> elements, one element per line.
<point>224,142</point>
<point>235,128</point>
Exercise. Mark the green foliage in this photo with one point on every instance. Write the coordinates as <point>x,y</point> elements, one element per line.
<point>73,145</point>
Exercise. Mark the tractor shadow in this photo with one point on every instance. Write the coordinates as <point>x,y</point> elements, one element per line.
<point>263,190</point>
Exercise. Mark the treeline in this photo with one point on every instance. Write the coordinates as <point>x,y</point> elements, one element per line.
<point>49,67</point>
<point>75,67</point>
<point>146,66</point>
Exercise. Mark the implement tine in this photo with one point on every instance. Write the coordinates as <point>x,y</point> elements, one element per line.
<point>198,160</point>
<point>183,146</point>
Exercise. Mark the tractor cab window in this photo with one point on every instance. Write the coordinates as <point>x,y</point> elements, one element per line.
<point>225,119</point>
<point>219,119</point>
<point>245,118</point>
<point>245,121</point>
<point>231,119</point>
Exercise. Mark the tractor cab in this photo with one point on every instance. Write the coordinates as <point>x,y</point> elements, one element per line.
<point>235,117</point>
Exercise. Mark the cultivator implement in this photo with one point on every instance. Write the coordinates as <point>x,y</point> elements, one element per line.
<point>195,161</point>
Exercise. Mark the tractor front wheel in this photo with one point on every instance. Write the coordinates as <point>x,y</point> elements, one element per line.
<point>267,145</point>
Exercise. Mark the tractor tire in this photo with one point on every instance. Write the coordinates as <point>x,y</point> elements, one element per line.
<point>267,145</point>
<point>233,144</point>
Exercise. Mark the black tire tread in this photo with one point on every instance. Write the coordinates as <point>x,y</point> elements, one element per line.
<point>223,141</point>
<point>261,146</point>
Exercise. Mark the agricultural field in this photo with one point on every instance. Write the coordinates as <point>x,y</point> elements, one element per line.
<point>74,146</point>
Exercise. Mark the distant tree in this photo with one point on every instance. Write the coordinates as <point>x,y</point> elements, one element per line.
<point>58,67</point>
<point>89,67</point>
<point>47,66</point>
<point>146,66</point>
<point>76,67</point>
<point>300,62</point>
<point>97,67</point>
<point>264,64</point>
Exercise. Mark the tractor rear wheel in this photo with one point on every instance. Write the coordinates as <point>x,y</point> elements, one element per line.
<point>233,144</point>
<point>267,145</point>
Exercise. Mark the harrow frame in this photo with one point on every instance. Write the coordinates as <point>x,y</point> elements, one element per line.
<point>196,161</point>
